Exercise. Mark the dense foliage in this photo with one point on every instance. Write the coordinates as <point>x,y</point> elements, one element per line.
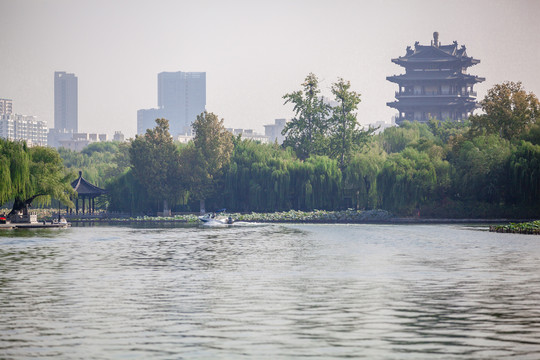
<point>206,157</point>
<point>438,169</point>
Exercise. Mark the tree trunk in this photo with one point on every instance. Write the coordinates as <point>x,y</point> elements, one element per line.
<point>22,205</point>
<point>19,206</point>
<point>201,203</point>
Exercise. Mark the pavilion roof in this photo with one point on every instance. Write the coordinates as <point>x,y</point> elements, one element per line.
<point>83,187</point>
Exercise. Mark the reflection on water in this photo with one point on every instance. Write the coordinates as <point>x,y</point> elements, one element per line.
<point>269,291</point>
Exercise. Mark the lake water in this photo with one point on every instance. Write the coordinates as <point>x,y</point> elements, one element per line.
<point>269,292</point>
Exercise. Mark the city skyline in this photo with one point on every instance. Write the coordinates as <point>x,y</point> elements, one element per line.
<point>252,52</point>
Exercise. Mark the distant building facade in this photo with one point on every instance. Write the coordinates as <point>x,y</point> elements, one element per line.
<point>118,136</point>
<point>435,83</point>
<point>23,127</point>
<point>146,119</point>
<point>181,97</point>
<point>55,136</point>
<point>249,134</point>
<point>273,131</point>
<point>6,106</point>
<point>78,141</point>
<point>65,101</point>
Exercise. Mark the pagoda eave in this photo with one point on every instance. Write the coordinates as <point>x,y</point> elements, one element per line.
<point>404,78</point>
<point>415,107</point>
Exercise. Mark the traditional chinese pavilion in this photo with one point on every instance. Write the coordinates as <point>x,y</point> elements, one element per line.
<point>86,192</point>
<point>435,83</point>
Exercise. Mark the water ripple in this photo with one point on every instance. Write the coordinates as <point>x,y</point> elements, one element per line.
<point>269,292</point>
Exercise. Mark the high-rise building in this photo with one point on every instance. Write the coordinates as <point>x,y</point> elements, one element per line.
<point>181,97</point>
<point>65,101</point>
<point>23,127</point>
<point>6,107</point>
<point>435,83</point>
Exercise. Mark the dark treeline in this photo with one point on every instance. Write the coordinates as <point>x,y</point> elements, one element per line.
<point>488,166</point>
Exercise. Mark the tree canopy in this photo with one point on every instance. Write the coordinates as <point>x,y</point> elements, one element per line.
<point>155,161</point>
<point>27,174</point>
<point>205,158</point>
<point>509,111</point>
<point>345,135</point>
<point>306,132</point>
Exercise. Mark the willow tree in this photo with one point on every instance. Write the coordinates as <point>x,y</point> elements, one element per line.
<point>406,181</point>
<point>28,174</point>
<point>206,157</point>
<point>155,161</point>
<point>361,179</point>
<point>306,132</point>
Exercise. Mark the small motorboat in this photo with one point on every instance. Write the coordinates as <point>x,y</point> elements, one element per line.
<point>214,219</point>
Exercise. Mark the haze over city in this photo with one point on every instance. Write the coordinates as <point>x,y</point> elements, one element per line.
<point>253,52</point>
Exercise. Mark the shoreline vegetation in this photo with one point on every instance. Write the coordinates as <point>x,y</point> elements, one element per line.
<point>528,228</point>
<point>482,170</point>
<point>295,216</point>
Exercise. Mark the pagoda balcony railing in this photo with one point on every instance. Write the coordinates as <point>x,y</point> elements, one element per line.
<point>435,93</point>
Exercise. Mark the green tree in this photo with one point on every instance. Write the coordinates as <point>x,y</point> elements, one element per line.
<point>509,111</point>
<point>345,135</point>
<point>480,168</point>
<point>407,181</point>
<point>396,138</point>
<point>523,176</point>
<point>306,132</point>
<point>207,156</point>
<point>446,131</point>
<point>155,161</point>
<point>27,174</point>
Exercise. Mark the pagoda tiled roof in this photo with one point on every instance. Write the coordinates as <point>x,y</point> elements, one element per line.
<point>83,187</point>
<point>436,54</point>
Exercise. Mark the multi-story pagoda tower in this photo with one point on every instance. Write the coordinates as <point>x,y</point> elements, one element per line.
<point>435,83</point>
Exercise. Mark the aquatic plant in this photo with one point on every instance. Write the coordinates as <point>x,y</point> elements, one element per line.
<point>530,228</point>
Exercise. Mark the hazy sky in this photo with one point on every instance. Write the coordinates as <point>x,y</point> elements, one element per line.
<point>253,52</point>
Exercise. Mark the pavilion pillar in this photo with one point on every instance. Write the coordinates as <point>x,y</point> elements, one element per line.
<point>77,206</point>
<point>83,203</point>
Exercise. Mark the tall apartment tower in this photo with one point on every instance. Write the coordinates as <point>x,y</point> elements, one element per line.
<point>65,101</point>
<point>181,97</point>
